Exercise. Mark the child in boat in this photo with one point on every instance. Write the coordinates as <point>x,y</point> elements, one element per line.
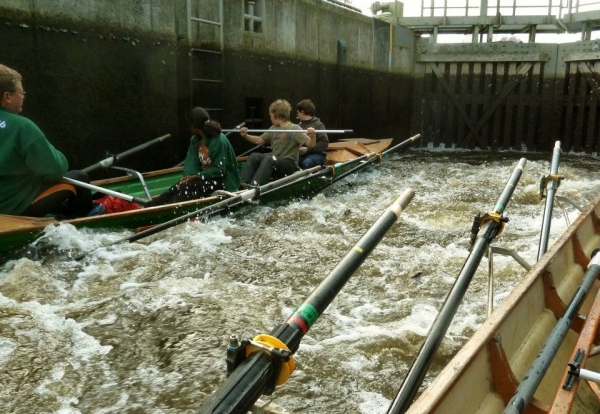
<point>311,157</point>
<point>210,164</point>
<point>31,167</point>
<point>283,159</point>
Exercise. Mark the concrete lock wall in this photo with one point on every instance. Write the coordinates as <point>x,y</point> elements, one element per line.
<point>104,76</point>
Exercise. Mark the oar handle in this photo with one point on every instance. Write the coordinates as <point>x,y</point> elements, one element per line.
<point>107,162</point>
<point>253,376</point>
<point>125,197</point>
<point>293,131</point>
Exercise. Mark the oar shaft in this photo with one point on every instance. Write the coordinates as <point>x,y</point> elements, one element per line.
<point>551,188</point>
<point>209,210</point>
<point>106,191</point>
<point>293,131</point>
<point>411,383</point>
<point>538,368</point>
<point>107,162</point>
<point>247,383</point>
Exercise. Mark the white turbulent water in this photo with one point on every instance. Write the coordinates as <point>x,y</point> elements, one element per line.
<point>143,327</point>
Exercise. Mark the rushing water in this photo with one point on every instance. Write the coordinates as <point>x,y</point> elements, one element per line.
<point>143,327</point>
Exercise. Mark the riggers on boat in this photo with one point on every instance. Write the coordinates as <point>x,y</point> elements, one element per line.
<point>17,231</point>
<point>497,369</point>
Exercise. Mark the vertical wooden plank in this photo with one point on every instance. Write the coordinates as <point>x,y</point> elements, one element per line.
<point>571,82</point>
<point>427,104</point>
<point>594,117</point>
<point>464,85</point>
<point>438,97</point>
<point>419,104</point>
<point>488,85</point>
<point>508,120</point>
<point>551,99</point>
<point>583,90</point>
<point>555,75</point>
<point>450,133</point>
<point>521,107</point>
<point>499,83</point>
<point>475,102</point>
<point>534,109</point>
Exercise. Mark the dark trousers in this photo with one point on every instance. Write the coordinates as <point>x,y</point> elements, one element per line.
<point>64,200</point>
<point>191,190</point>
<point>260,167</point>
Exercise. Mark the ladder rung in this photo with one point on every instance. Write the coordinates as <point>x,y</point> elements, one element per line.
<point>207,80</point>
<point>216,52</point>
<point>197,19</point>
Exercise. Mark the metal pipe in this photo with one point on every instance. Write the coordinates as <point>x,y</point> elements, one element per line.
<point>112,159</point>
<point>551,188</point>
<point>538,368</point>
<point>294,131</point>
<point>125,197</point>
<point>488,232</point>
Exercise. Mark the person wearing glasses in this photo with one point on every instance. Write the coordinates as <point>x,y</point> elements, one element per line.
<point>311,157</point>
<point>210,164</point>
<point>283,159</point>
<point>31,167</point>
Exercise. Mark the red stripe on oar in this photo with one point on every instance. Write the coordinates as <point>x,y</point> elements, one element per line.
<point>298,321</point>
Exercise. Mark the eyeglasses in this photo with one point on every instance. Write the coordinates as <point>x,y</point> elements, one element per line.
<point>22,93</point>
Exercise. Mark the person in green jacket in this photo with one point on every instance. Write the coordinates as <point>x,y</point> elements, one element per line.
<point>210,164</point>
<point>31,167</point>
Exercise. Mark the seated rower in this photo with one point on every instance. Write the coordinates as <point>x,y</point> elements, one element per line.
<point>210,164</point>
<point>283,159</point>
<point>31,167</point>
<point>305,111</point>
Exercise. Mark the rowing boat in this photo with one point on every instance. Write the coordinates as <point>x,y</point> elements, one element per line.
<point>17,231</point>
<point>489,372</point>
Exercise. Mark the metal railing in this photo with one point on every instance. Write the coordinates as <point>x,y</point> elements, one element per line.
<point>557,8</point>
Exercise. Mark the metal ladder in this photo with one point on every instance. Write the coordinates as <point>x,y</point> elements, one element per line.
<point>203,83</point>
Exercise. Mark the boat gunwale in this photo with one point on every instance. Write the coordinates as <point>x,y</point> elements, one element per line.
<point>445,381</point>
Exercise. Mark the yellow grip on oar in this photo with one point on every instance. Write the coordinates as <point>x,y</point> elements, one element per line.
<point>494,217</point>
<point>287,367</point>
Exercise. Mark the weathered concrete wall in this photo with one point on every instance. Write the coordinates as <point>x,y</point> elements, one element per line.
<point>107,75</point>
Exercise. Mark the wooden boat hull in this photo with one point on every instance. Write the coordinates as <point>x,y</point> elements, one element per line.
<point>484,374</point>
<point>17,231</point>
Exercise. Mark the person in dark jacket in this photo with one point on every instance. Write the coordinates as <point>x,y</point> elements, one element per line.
<point>311,157</point>
<point>210,164</point>
<point>31,168</point>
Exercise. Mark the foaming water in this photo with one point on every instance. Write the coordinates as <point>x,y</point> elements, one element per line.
<point>142,327</point>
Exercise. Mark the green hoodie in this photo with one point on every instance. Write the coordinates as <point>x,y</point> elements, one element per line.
<point>29,163</point>
<point>213,157</point>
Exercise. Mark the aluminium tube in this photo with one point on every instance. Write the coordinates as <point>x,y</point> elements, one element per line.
<point>107,162</point>
<point>538,368</point>
<point>551,188</point>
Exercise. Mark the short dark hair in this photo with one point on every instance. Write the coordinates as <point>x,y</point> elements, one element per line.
<point>307,107</point>
<point>8,79</point>
<point>200,119</point>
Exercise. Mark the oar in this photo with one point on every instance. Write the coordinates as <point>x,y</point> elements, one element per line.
<point>553,180</point>
<point>237,128</point>
<point>107,162</point>
<point>491,226</point>
<point>260,371</point>
<point>239,198</point>
<point>293,131</point>
<point>122,196</point>
<point>330,170</point>
<point>540,365</point>
<point>251,150</point>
